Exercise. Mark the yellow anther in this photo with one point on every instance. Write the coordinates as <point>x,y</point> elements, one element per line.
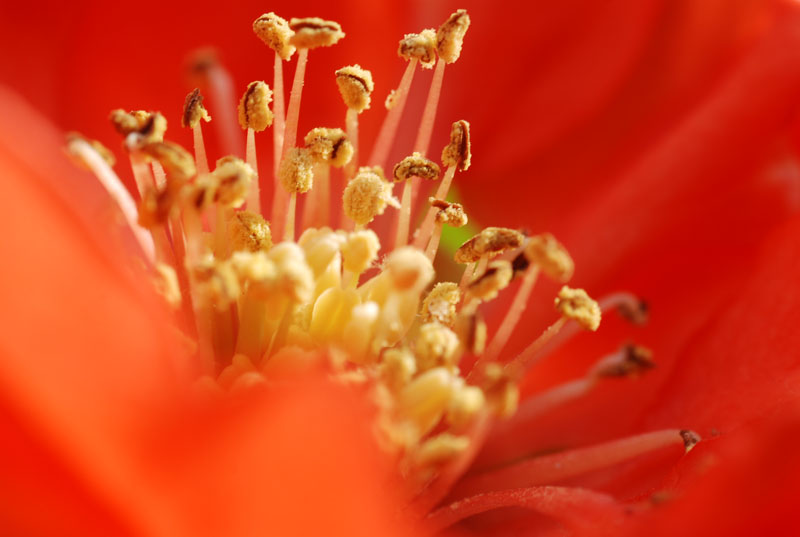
<point>200,194</point>
<point>577,305</point>
<point>421,46</point>
<point>255,269</point>
<point>397,368</point>
<point>501,392</point>
<point>167,285</point>
<point>216,282</point>
<point>99,148</point>
<point>467,401</point>
<point>193,110</point>
<point>320,246</point>
<point>356,86</point>
<point>490,241</point>
<point>451,214</point>
<point>360,250</point>
<point>440,449</point>
<point>440,304</point>
<point>459,151</point>
<point>150,126</point>
<point>249,232</point>
<point>496,278</point>
<point>551,256</point>
<point>330,146</point>
<point>331,313</point>
<point>297,171</point>
<point>254,112</point>
<point>177,162</point>
<point>313,32</point>
<point>234,177</point>
<point>157,206</point>
<point>415,166</point>
<point>366,196</point>
<point>436,346</point>
<point>409,269</point>
<point>450,36</point>
<point>359,331</point>
<point>274,31</point>
<point>424,400</point>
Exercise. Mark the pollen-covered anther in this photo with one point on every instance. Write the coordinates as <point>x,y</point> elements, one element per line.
<point>234,178</point>
<point>193,110</point>
<point>576,304</point>
<point>249,232</point>
<point>409,269</point>
<point>366,196</point>
<point>99,148</point>
<point>356,86</point>
<point>330,146</point>
<point>148,126</point>
<point>177,161</point>
<point>440,304</point>
<point>157,206</point>
<point>440,449</point>
<point>313,32</point>
<point>254,112</point>
<point>490,241</point>
<point>459,151</point>
<point>450,36</point>
<point>421,46</point>
<point>436,346</point>
<point>215,282</point>
<point>631,361</point>
<point>634,312</point>
<point>360,250</point>
<point>415,166</point>
<point>489,284</point>
<point>451,214</point>
<point>274,31</point>
<point>551,256</point>
<point>690,439</point>
<point>200,194</point>
<point>398,367</point>
<point>166,283</point>
<point>296,171</point>
<point>502,394</point>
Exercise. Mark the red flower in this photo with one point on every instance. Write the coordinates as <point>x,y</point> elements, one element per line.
<point>654,140</point>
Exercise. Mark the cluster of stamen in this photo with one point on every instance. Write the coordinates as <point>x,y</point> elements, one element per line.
<point>259,301</point>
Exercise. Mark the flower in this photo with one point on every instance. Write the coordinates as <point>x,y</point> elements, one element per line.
<point>615,260</point>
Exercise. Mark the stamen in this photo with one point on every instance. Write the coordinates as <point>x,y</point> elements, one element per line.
<point>414,166</point>
<point>385,141</point>
<point>297,175</point>
<point>177,162</point>
<point>494,279</point>
<point>356,86</point>
<point>234,181</point>
<point>249,232</point>
<point>450,36</point>
<point>577,305</point>
<point>451,214</point>
<point>205,66</point>
<point>193,112</point>
<point>274,31</point>
<point>366,196</point>
<point>150,126</point>
<point>421,46</point>
<point>94,161</point>
<point>358,253</point>
<point>440,304</point>
<point>255,116</point>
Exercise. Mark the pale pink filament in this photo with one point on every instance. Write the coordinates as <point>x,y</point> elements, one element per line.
<point>385,140</point>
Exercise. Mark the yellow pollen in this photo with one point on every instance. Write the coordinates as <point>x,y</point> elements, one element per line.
<point>440,304</point>
<point>330,146</point>
<point>254,112</point>
<point>366,196</point>
<point>436,346</point>
<point>450,36</point>
<point>360,250</point>
<point>274,31</point>
<point>551,256</point>
<point>451,214</point>
<point>490,241</point>
<point>150,126</point>
<point>313,32</point>
<point>297,171</point>
<point>459,151</point>
<point>193,110</point>
<point>177,162</point>
<point>575,304</point>
<point>421,46</point>
<point>489,284</point>
<point>415,166</point>
<point>249,232</point>
<point>234,177</point>
<point>356,86</point>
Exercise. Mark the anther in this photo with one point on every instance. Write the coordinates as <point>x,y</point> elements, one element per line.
<point>360,251</point>
<point>193,110</point>
<point>465,404</point>
<point>551,256</point>
<point>150,126</point>
<point>436,346</point>
<point>313,32</point>
<point>575,304</point>
<point>490,241</point>
<point>158,205</point>
<point>297,171</point>
<point>690,439</point>
<point>104,153</point>
<point>631,361</point>
<point>450,36</point>
<point>330,146</point>
<point>440,304</point>
<point>356,86</point>
<point>489,284</point>
<point>425,399</point>
<point>500,390</point>
<point>177,162</point>
<point>397,368</point>
<point>366,196</point>
<point>254,112</point>
<point>440,449</point>
<point>451,214</point>
<point>421,46</point>
<point>415,166</point>
<point>235,178</point>
<point>215,282</point>
<point>274,31</point>
<point>459,151</point>
<point>409,269</point>
<point>634,312</point>
<point>249,232</point>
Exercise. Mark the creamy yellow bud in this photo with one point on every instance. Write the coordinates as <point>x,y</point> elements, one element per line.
<point>496,278</point>
<point>467,401</point>
<point>415,166</point>
<point>450,36</point>
<point>459,151</point>
<point>296,171</point>
<point>440,449</point>
<point>440,304</point>
<point>360,250</point>
<point>551,256</point>
<point>330,146</point>
<point>254,112</point>
<point>490,241</point>
<point>409,269</point>
<point>248,231</point>
<point>421,46</point>
<point>313,32</point>
<point>575,304</point>
<point>356,86</point>
<point>193,110</point>
<point>274,31</point>
<point>424,400</point>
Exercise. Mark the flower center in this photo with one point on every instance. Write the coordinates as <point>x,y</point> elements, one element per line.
<point>258,298</point>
